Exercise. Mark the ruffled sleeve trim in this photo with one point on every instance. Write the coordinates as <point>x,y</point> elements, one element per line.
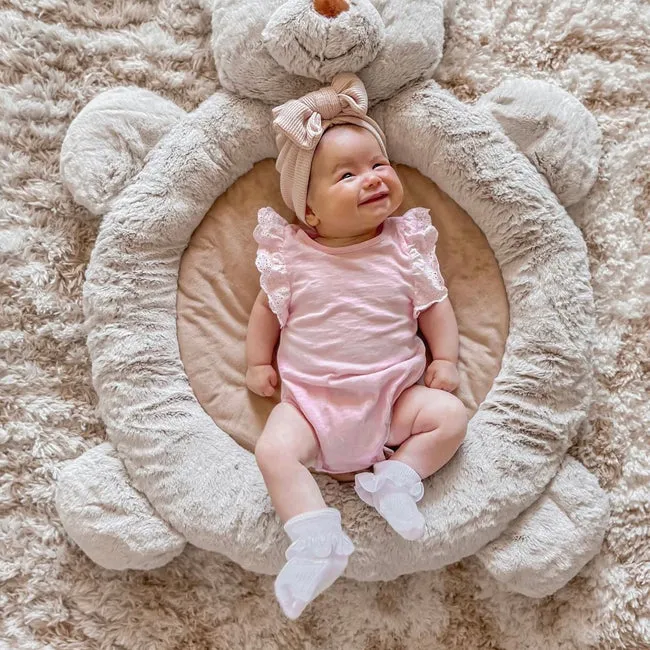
<point>270,235</point>
<point>420,239</point>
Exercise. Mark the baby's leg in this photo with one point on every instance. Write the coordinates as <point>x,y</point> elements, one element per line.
<point>320,549</point>
<point>285,449</point>
<point>429,426</point>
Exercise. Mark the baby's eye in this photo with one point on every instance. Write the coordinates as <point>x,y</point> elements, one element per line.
<point>381,164</point>
<point>346,175</point>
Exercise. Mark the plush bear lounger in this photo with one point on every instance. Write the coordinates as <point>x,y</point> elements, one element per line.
<point>169,473</point>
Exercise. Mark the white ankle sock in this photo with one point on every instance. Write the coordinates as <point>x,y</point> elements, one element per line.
<point>393,490</point>
<point>316,558</point>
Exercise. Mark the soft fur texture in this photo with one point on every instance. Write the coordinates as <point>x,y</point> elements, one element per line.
<point>256,59</point>
<point>54,595</point>
<point>209,489</point>
<point>151,116</point>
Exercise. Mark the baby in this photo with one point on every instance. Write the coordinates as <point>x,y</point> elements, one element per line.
<point>345,295</point>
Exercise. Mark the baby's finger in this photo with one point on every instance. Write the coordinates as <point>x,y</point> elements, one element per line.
<point>441,383</point>
<point>437,383</point>
<point>449,384</point>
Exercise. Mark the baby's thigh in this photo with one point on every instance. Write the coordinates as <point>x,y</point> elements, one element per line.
<point>287,435</point>
<point>420,409</point>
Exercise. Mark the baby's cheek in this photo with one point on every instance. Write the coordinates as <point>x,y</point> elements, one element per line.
<point>394,183</point>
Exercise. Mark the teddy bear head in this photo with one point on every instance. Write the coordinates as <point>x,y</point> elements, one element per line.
<point>276,50</point>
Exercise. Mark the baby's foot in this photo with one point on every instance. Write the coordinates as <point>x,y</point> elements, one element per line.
<point>401,513</point>
<point>302,579</point>
<point>393,490</point>
<point>316,558</point>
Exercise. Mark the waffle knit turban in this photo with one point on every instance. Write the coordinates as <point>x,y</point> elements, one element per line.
<point>299,125</point>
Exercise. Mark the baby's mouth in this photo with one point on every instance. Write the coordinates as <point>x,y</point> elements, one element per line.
<point>375,198</point>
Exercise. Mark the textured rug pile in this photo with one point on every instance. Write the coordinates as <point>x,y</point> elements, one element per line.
<point>55,56</point>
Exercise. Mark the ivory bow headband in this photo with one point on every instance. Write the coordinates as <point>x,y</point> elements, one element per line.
<point>299,125</point>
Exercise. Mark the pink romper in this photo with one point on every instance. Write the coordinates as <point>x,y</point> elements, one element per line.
<point>349,345</point>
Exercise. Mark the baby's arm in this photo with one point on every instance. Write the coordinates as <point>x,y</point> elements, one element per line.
<point>261,337</point>
<point>438,324</point>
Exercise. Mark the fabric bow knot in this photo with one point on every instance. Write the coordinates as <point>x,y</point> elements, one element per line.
<point>301,120</point>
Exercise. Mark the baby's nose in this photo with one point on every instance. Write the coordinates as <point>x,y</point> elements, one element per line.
<point>372,179</point>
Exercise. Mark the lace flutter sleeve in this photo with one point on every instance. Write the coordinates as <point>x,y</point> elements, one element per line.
<point>270,235</point>
<point>420,238</point>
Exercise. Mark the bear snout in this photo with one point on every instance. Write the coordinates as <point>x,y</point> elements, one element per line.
<point>320,38</point>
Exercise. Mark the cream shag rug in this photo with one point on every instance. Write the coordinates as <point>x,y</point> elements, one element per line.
<point>55,56</point>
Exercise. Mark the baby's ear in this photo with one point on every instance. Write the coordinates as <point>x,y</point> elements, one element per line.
<point>310,218</point>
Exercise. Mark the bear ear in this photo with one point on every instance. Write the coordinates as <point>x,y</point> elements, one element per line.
<point>330,8</point>
<point>107,143</point>
<point>555,131</point>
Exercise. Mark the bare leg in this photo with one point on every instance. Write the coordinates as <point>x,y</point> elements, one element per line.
<point>320,549</point>
<point>283,452</point>
<point>429,425</point>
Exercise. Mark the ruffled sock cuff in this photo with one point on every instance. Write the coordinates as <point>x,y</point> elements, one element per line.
<point>317,534</point>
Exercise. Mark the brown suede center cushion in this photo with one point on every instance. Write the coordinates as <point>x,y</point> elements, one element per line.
<point>218,283</point>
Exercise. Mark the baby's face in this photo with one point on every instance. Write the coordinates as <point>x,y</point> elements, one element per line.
<point>352,186</point>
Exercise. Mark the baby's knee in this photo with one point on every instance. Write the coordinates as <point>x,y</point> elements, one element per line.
<point>267,454</point>
<point>275,456</point>
<point>455,414</point>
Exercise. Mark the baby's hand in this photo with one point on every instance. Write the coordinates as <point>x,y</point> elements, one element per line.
<point>262,380</point>
<point>443,375</point>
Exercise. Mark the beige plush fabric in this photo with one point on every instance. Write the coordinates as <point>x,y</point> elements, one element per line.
<point>56,57</point>
<point>217,286</point>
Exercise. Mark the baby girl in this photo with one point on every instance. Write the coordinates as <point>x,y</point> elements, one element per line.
<point>345,295</point>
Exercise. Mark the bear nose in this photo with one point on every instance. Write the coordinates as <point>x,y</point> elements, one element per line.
<point>330,8</point>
